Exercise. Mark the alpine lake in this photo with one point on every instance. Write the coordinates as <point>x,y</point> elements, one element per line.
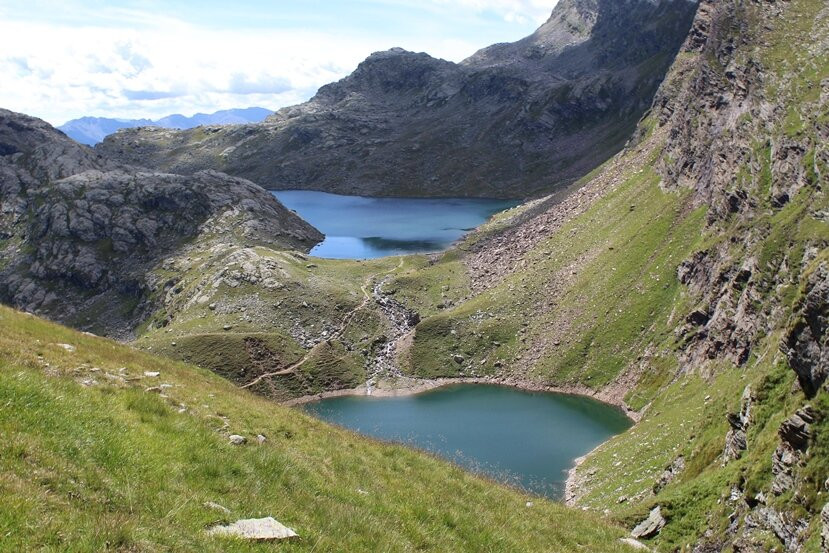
<point>526,439</point>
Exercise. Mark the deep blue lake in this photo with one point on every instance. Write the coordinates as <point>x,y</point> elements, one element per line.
<point>356,227</point>
<point>522,438</point>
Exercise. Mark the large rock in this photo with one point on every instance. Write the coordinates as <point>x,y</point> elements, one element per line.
<point>257,529</point>
<point>796,431</point>
<point>651,525</point>
<point>807,341</point>
<point>735,439</point>
<point>669,474</point>
<point>511,121</point>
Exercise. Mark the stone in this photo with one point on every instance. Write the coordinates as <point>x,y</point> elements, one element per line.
<point>68,347</point>
<point>152,374</point>
<point>795,430</point>
<point>256,529</point>
<point>735,439</point>
<point>261,439</point>
<point>669,474</point>
<point>651,525</point>
<point>217,507</point>
<point>824,533</point>
<point>636,544</point>
<point>236,439</point>
<point>783,461</point>
<point>459,359</point>
<point>805,343</point>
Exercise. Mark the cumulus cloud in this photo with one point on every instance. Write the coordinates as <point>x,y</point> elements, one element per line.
<point>153,72</point>
<point>134,64</point>
<point>260,84</point>
<point>522,11</point>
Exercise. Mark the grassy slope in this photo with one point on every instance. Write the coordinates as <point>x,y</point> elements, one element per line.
<point>616,302</point>
<point>310,300</point>
<point>602,287</point>
<point>112,466</point>
<point>688,416</point>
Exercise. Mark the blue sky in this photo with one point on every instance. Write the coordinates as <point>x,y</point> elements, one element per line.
<point>64,59</point>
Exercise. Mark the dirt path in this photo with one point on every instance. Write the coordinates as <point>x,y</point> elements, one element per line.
<point>367,298</point>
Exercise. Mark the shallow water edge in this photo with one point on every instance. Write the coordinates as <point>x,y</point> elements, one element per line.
<point>412,386</point>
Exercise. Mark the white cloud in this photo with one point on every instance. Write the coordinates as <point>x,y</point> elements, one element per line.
<point>520,11</point>
<point>134,64</point>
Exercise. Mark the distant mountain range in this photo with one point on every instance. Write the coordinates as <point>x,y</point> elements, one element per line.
<point>91,130</point>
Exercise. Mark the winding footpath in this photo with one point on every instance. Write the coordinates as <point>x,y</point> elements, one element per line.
<point>390,308</point>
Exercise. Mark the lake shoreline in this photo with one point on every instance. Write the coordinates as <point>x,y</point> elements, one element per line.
<point>413,386</point>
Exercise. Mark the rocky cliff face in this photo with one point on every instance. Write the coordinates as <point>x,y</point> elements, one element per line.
<point>80,235</point>
<point>513,120</point>
<point>687,281</point>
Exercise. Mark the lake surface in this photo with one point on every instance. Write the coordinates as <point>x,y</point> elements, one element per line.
<point>356,227</point>
<point>521,438</point>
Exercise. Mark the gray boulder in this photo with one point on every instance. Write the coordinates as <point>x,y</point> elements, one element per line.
<point>651,525</point>
<point>256,529</point>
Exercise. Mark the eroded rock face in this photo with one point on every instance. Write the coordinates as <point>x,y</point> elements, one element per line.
<point>511,121</point>
<point>78,230</point>
<point>806,344</point>
<point>735,440</point>
<point>795,433</point>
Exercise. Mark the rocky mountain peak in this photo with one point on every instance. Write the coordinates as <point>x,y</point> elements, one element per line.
<point>44,151</point>
<point>513,120</point>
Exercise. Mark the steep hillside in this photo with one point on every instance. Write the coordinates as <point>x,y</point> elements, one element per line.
<point>80,235</point>
<point>687,280</point>
<point>511,121</point>
<point>105,448</point>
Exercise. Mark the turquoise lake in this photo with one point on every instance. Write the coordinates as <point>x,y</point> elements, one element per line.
<point>356,227</point>
<point>526,439</point>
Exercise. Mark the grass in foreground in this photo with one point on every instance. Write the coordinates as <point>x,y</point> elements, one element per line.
<point>90,460</point>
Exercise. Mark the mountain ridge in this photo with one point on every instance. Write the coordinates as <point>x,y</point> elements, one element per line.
<point>80,234</point>
<point>512,121</point>
<point>92,130</point>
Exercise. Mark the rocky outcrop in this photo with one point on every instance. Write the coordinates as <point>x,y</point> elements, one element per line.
<point>806,344</point>
<point>80,234</point>
<point>651,526</point>
<point>669,474</point>
<point>513,120</point>
<point>795,433</point>
<point>735,440</point>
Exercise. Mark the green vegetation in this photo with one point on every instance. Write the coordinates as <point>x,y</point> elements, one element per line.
<point>94,458</point>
